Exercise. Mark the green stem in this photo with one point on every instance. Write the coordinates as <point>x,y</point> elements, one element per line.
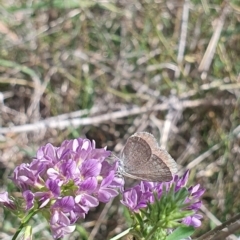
<point>139,224</point>
<point>24,223</point>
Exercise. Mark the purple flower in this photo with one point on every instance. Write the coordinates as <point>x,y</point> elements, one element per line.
<point>145,193</point>
<point>135,199</point>
<point>181,182</point>
<point>27,175</point>
<point>84,197</point>
<point>139,196</point>
<point>61,209</point>
<point>29,198</point>
<point>91,168</point>
<point>7,202</point>
<point>67,181</point>
<point>60,230</point>
<point>52,193</point>
<point>106,192</point>
<point>196,192</point>
<point>193,220</point>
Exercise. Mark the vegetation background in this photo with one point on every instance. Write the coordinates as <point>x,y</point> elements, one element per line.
<point>106,69</point>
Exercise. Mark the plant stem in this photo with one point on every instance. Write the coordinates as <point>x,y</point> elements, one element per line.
<point>24,223</point>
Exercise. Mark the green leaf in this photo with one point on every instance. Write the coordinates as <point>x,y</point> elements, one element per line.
<point>180,233</point>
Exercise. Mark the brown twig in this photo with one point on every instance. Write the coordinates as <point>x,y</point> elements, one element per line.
<point>61,124</point>
<point>224,230</point>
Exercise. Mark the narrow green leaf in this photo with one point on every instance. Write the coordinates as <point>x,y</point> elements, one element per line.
<point>180,233</point>
<point>121,234</point>
<point>19,67</point>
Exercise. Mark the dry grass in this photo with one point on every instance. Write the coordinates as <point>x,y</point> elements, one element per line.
<point>107,69</point>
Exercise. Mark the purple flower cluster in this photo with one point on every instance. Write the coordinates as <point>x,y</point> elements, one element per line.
<point>142,194</point>
<point>68,181</point>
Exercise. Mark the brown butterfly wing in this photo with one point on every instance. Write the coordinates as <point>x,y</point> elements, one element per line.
<point>153,170</point>
<point>143,159</point>
<point>135,153</point>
